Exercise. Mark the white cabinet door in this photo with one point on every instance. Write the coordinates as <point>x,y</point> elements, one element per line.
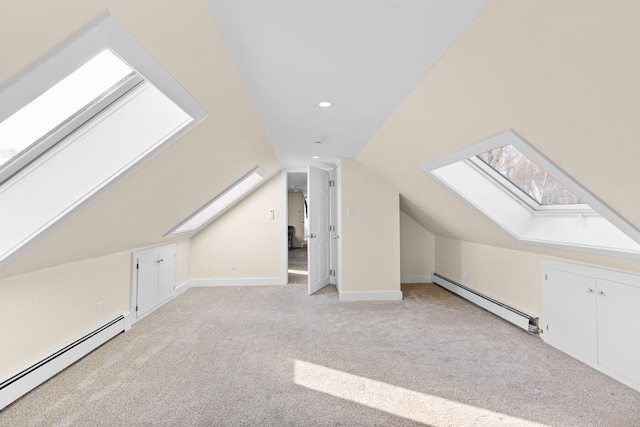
<point>155,278</point>
<point>570,313</point>
<point>147,283</point>
<point>619,328</point>
<point>166,273</point>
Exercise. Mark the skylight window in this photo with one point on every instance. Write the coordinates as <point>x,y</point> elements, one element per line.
<point>526,175</point>
<point>70,128</point>
<point>533,200</point>
<point>222,202</point>
<point>72,95</point>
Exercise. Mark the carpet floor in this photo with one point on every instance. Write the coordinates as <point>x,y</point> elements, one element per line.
<point>274,356</point>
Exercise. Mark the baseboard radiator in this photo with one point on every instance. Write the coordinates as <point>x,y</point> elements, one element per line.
<point>511,314</point>
<point>18,384</point>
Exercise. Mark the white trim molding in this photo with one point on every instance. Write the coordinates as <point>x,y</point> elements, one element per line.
<point>371,296</point>
<point>179,290</point>
<point>415,279</point>
<point>251,281</point>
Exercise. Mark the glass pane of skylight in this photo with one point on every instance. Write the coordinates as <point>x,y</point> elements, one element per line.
<point>534,181</point>
<point>220,203</point>
<point>76,92</point>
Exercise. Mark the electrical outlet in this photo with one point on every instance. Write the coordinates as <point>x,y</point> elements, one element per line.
<point>464,274</point>
<point>349,211</point>
<point>100,308</point>
<point>233,265</point>
<point>530,300</point>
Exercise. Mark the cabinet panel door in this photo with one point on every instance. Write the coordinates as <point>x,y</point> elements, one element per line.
<point>570,313</point>
<point>619,328</point>
<point>166,273</point>
<point>147,297</point>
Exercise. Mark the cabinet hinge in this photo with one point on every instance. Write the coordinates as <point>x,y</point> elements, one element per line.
<point>332,273</point>
<point>332,183</point>
<point>136,308</point>
<point>137,266</point>
<point>545,277</point>
<point>332,228</point>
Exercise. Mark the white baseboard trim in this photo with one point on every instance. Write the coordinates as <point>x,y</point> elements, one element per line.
<point>415,279</point>
<point>253,281</point>
<point>371,296</point>
<point>18,383</point>
<point>179,290</point>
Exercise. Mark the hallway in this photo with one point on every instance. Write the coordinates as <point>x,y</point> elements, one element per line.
<point>298,268</point>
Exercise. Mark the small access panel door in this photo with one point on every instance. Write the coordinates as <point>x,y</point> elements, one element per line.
<point>155,277</point>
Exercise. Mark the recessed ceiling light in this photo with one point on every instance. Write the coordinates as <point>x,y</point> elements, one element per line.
<point>324,104</point>
<point>316,157</point>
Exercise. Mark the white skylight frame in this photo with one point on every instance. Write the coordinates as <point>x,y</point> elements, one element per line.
<point>69,122</point>
<point>104,33</point>
<point>596,229</point>
<point>221,203</point>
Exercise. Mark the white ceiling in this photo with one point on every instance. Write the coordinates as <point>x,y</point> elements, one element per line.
<point>297,181</point>
<point>365,56</point>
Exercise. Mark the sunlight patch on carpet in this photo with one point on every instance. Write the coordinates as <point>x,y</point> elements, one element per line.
<point>397,401</point>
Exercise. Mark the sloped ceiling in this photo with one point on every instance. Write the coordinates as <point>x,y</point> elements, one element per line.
<point>365,56</point>
<point>562,74</point>
<point>138,210</point>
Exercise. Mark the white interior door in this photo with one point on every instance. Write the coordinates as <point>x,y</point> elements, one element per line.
<point>147,298</point>
<point>318,238</point>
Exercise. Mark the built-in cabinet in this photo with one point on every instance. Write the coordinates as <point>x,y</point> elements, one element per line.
<point>594,315</point>
<point>154,278</point>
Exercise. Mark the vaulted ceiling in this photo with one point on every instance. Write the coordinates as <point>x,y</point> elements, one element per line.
<point>411,81</point>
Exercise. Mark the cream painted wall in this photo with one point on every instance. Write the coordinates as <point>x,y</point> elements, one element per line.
<point>296,217</point>
<point>49,294</point>
<point>370,239</point>
<point>417,249</point>
<point>560,74</point>
<point>505,274</point>
<point>140,209</point>
<point>43,310</point>
<point>245,235</point>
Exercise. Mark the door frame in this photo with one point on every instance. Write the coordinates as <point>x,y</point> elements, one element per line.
<point>284,223</point>
<point>284,251</point>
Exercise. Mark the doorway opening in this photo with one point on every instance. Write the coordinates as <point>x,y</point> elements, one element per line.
<point>298,224</point>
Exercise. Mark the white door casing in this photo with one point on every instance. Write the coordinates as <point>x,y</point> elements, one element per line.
<point>333,234</point>
<point>319,235</point>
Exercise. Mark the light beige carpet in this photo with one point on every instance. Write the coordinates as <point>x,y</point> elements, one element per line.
<point>274,356</point>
